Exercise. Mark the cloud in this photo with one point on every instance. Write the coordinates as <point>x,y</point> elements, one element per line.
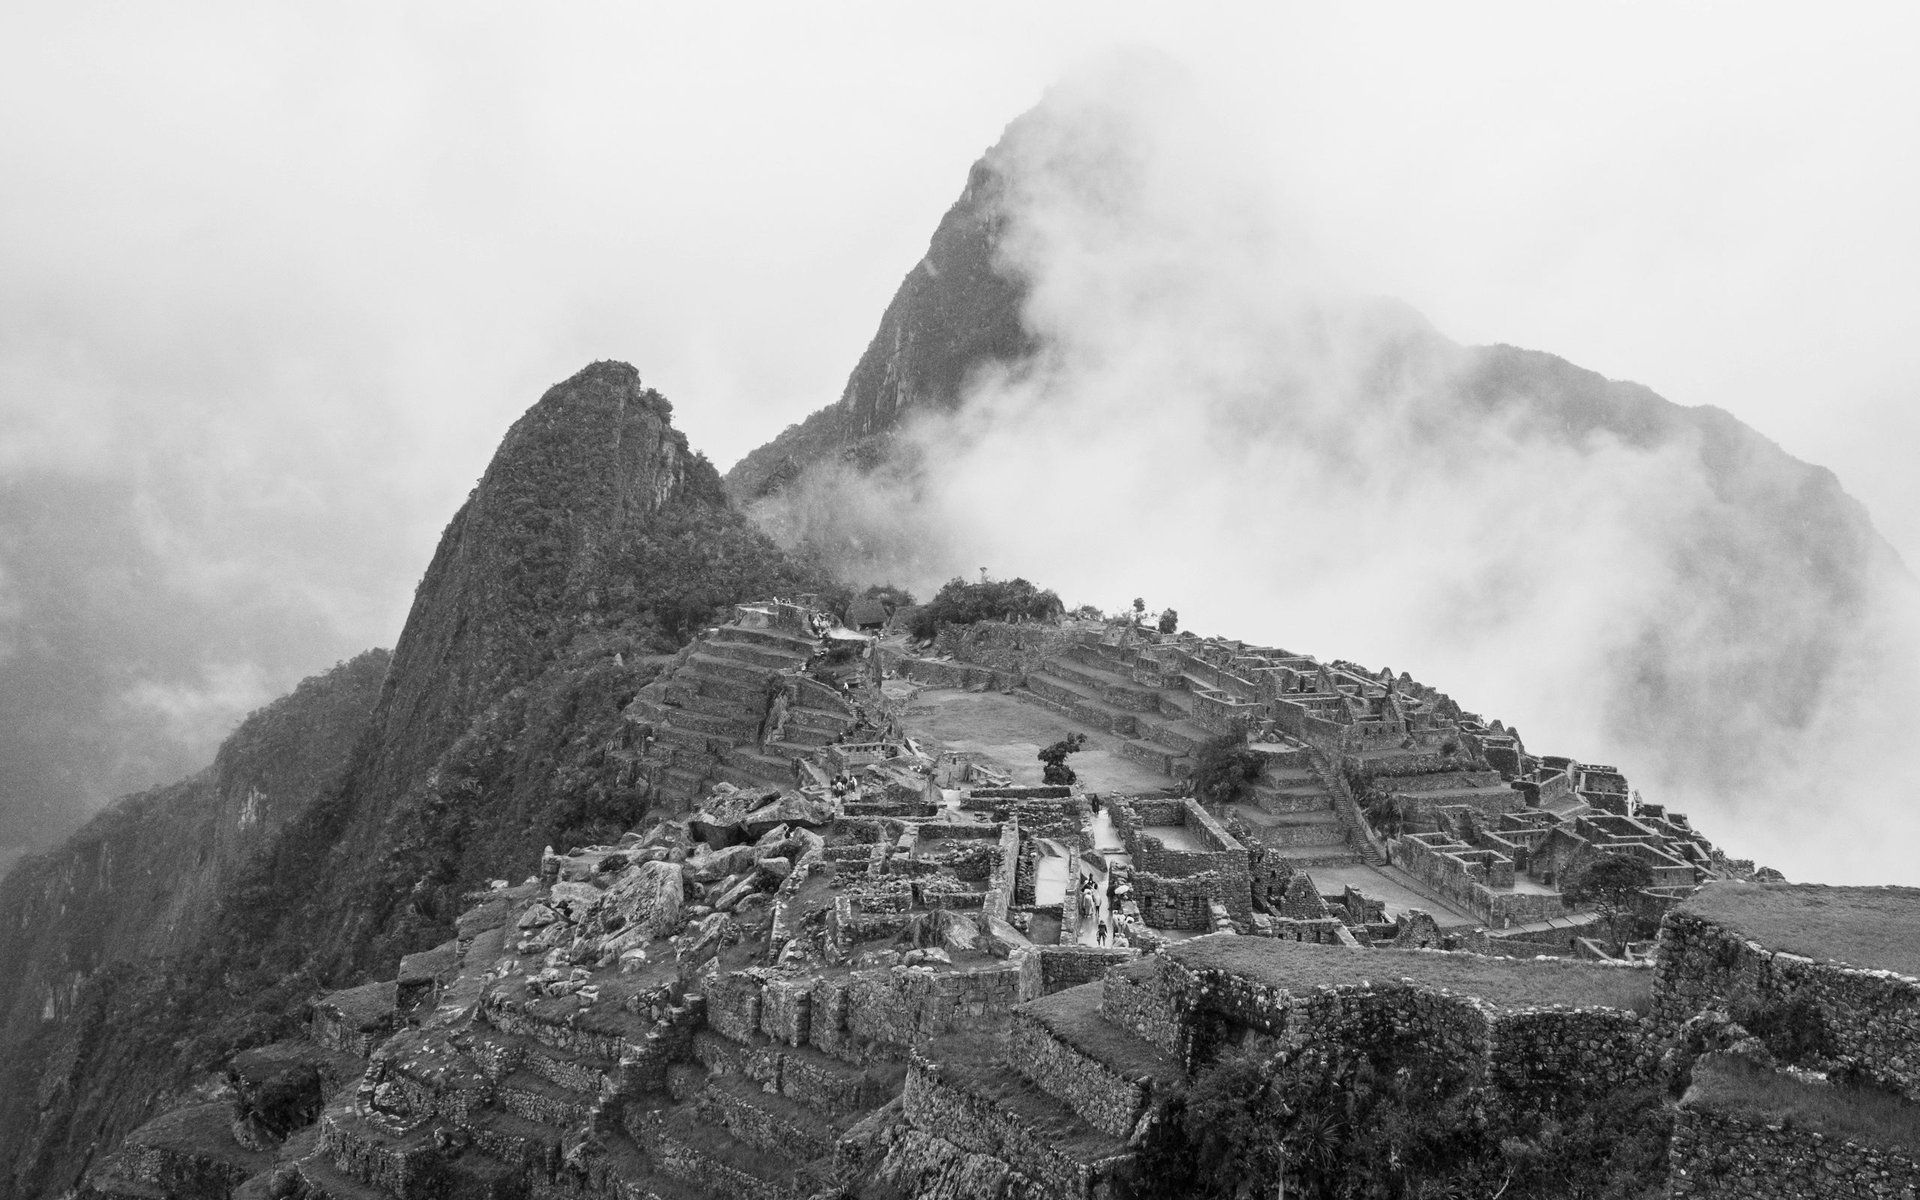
<point>1214,422</point>
<point>199,712</point>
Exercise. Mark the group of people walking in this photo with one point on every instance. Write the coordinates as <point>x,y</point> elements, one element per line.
<point>1090,906</point>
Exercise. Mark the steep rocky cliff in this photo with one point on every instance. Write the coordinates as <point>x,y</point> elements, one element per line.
<point>595,543</point>
<point>955,312</point>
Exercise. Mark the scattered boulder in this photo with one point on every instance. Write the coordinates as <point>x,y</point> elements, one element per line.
<point>792,809</point>
<point>926,955</point>
<point>999,938</point>
<point>536,916</point>
<point>747,884</point>
<point>648,898</point>
<point>719,864</point>
<point>576,900</point>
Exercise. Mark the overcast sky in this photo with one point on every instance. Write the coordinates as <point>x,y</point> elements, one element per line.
<point>274,281</point>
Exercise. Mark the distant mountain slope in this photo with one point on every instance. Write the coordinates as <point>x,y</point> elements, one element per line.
<point>142,881</point>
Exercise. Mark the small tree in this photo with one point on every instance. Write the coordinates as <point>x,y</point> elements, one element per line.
<point>1223,769</point>
<point>1609,885</point>
<point>1169,621</point>
<point>1055,756</point>
<point>1139,610</point>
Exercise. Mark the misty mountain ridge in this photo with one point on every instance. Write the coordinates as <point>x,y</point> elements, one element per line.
<point>1039,394</point>
<point>1183,394</point>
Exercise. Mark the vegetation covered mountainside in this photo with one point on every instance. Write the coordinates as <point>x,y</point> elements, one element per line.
<point>339,826</point>
<point>94,930</point>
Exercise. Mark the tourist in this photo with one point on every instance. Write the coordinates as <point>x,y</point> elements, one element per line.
<point>1101,933</point>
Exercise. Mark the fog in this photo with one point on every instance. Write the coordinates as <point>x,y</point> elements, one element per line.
<point>1287,462</point>
<point>274,284</point>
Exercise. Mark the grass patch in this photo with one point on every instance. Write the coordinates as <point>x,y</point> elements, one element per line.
<point>1874,928</point>
<point>1073,1016</point>
<point>1739,1089</point>
<point>1505,983</point>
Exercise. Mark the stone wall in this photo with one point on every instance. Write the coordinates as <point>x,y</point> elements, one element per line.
<point>1103,1096</point>
<point>1527,1055</point>
<point>903,1006</point>
<point>1556,1060</point>
<point>1002,883</point>
<point>1222,858</point>
<point>1176,902</point>
<point>1454,1027</point>
<point>1139,998</point>
<point>1871,1017</point>
<point>1478,880</point>
<point>884,1010</point>
<point>1716,1156</point>
<point>940,1097</point>
<point>947,674</point>
<point>1010,648</point>
<point>1062,967</point>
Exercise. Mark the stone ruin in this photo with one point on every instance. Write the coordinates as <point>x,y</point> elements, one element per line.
<point>842,962</point>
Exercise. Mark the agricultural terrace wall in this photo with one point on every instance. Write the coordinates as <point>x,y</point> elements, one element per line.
<point>1558,1060</point>
<point>1871,1017</point>
<point>892,1008</point>
<point>1534,1055</point>
<point>938,1099</point>
<point>1716,1156</point>
<point>1010,648</point>
<point>1110,1095</point>
<point>957,675</point>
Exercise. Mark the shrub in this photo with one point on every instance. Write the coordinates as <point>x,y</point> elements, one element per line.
<point>1224,769</point>
<point>1057,771</point>
<point>961,603</point>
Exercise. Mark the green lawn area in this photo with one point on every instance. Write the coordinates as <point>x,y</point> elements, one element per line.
<point>1728,1085</point>
<point>1876,928</point>
<point>1007,733</point>
<point>1505,983</point>
<point>1073,1015</point>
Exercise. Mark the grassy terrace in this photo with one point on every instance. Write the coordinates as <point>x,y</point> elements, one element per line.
<point>1073,1016</point>
<point>1876,928</point>
<point>1505,983</point>
<point>1729,1086</point>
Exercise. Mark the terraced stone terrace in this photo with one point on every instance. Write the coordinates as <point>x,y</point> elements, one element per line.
<point>849,947</point>
<point>1871,929</point>
<point>1299,967</point>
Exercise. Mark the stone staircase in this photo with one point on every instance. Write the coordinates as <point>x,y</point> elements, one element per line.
<point>1060,1101</point>
<point>705,719</point>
